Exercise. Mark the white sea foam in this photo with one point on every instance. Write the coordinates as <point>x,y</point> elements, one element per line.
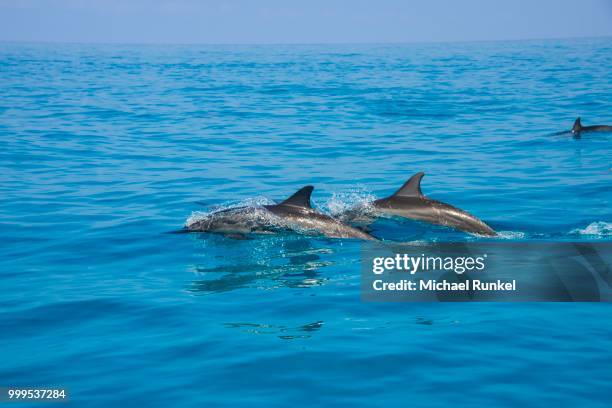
<point>511,235</point>
<point>354,202</point>
<point>598,229</point>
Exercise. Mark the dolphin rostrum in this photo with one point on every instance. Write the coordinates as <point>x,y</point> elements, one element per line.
<point>409,202</point>
<point>295,214</point>
<point>578,128</point>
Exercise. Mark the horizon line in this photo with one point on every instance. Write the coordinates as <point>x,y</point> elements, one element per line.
<point>147,43</point>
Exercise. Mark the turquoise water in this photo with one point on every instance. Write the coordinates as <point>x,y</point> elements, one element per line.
<point>104,149</point>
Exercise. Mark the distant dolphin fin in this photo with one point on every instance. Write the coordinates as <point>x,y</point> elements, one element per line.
<point>411,188</point>
<point>577,125</point>
<point>301,198</point>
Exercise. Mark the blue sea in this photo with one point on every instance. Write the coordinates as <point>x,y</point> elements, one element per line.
<point>104,149</point>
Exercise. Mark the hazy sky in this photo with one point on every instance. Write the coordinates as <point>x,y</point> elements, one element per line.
<point>304,21</point>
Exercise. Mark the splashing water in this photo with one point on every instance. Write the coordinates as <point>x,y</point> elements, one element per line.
<point>347,205</point>
<point>599,229</point>
<point>511,235</point>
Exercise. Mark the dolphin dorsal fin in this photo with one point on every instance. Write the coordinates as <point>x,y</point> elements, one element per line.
<point>301,198</point>
<point>411,188</point>
<point>577,125</point>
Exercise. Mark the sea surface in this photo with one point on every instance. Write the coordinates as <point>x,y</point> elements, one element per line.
<point>104,149</point>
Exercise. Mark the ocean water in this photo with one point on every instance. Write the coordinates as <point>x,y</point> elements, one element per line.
<point>106,148</point>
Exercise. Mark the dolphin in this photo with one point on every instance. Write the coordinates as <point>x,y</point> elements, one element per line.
<point>409,202</point>
<point>578,128</point>
<point>295,214</point>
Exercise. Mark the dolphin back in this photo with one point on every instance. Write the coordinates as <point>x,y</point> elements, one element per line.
<point>410,202</point>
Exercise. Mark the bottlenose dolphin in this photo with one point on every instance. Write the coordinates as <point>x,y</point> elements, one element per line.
<point>295,213</point>
<point>578,128</point>
<point>409,202</point>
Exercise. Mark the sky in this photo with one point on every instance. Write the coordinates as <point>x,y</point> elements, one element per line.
<point>304,21</point>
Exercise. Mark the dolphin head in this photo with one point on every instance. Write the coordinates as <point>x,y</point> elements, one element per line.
<point>235,220</point>
<point>215,221</point>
